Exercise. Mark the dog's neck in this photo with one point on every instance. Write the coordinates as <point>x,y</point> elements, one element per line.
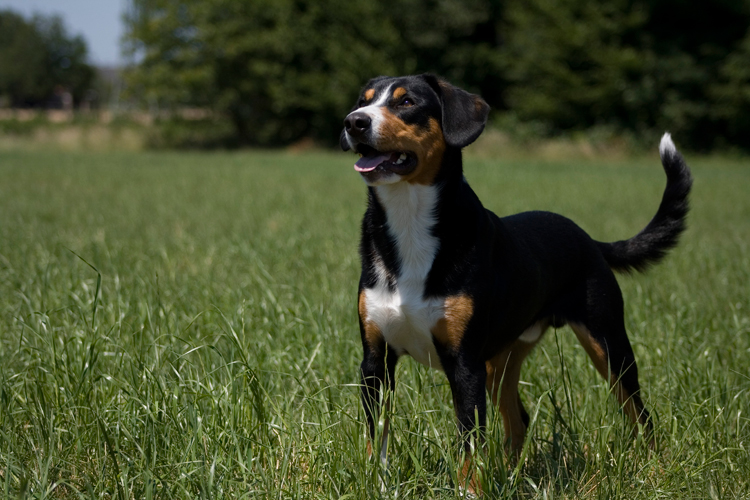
<point>411,215</point>
<point>411,228</point>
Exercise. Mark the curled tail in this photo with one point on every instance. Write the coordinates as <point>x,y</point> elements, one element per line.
<point>661,234</point>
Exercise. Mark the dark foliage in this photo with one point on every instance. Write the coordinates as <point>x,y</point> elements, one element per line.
<point>282,70</point>
<point>641,66</point>
<point>39,59</point>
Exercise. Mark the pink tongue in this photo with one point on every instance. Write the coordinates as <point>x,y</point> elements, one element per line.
<point>370,163</point>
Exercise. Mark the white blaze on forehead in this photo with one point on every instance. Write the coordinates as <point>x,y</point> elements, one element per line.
<point>382,98</point>
<point>375,111</point>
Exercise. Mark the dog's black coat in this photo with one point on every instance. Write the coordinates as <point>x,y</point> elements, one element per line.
<point>518,271</point>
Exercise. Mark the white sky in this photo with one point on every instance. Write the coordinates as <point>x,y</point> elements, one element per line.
<point>99,21</point>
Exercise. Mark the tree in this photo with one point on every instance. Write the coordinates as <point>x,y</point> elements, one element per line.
<point>22,61</point>
<point>282,70</point>
<point>279,69</point>
<point>286,69</point>
<point>456,39</point>
<point>643,66</point>
<point>38,56</point>
<point>66,57</point>
<point>575,64</point>
<point>731,95</point>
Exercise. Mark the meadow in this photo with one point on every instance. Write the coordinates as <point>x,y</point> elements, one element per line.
<point>183,325</point>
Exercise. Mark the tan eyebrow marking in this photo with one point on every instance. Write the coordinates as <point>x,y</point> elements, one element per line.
<point>370,94</point>
<point>399,92</point>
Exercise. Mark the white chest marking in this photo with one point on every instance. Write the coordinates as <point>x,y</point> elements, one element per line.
<point>375,111</point>
<point>403,315</point>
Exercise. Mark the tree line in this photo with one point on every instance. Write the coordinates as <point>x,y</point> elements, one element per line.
<point>277,71</point>
<point>282,70</point>
<point>41,65</point>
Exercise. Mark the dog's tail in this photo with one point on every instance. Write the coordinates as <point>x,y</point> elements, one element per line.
<point>662,233</point>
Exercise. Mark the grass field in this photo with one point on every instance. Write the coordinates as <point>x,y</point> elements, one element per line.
<point>178,325</point>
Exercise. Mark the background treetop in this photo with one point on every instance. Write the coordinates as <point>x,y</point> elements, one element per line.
<point>39,58</point>
<point>282,70</point>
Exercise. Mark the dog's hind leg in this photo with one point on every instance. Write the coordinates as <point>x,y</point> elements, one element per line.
<point>602,334</point>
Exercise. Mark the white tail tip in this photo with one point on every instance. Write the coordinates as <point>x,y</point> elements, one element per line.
<point>666,146</point>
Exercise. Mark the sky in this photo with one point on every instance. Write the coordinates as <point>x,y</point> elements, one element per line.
<point>98,21</point>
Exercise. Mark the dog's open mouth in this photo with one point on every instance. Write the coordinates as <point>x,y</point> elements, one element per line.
<point>398,162</point>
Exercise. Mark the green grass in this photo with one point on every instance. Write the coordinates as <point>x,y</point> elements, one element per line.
<point>183,325</point>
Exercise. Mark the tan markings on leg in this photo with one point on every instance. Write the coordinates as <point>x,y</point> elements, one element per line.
<point>373,335</point>
<point>369,94</point>
<point>632,404</point>
<point>503,374</point>
<point>592,348</point>
<point>399,92</point>
<point>467,477</point>
<point>450,329</point>
<point>427,143</point>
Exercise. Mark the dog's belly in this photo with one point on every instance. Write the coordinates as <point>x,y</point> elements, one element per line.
<point>405,320</point>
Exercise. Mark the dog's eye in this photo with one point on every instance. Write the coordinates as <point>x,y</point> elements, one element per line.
<point>406,102</point>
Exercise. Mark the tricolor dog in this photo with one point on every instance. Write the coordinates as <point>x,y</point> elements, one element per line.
<point>464,291</point>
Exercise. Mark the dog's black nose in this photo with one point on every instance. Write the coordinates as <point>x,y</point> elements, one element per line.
<point>357,123</point>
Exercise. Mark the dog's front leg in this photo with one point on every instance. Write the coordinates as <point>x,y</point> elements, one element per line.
<point>467,376</point>
<point>378,369</point>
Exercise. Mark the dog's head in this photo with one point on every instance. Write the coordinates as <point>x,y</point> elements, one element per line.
<point>402,127</point>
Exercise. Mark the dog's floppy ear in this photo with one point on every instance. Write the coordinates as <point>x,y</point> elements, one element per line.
<point>343,141</point>
<point>464,114</point>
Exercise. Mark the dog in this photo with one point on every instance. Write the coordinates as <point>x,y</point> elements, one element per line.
<point>464,291</point>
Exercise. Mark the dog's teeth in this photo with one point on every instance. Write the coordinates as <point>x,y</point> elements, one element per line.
<point>402,157</point>
<point>399,161</point>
